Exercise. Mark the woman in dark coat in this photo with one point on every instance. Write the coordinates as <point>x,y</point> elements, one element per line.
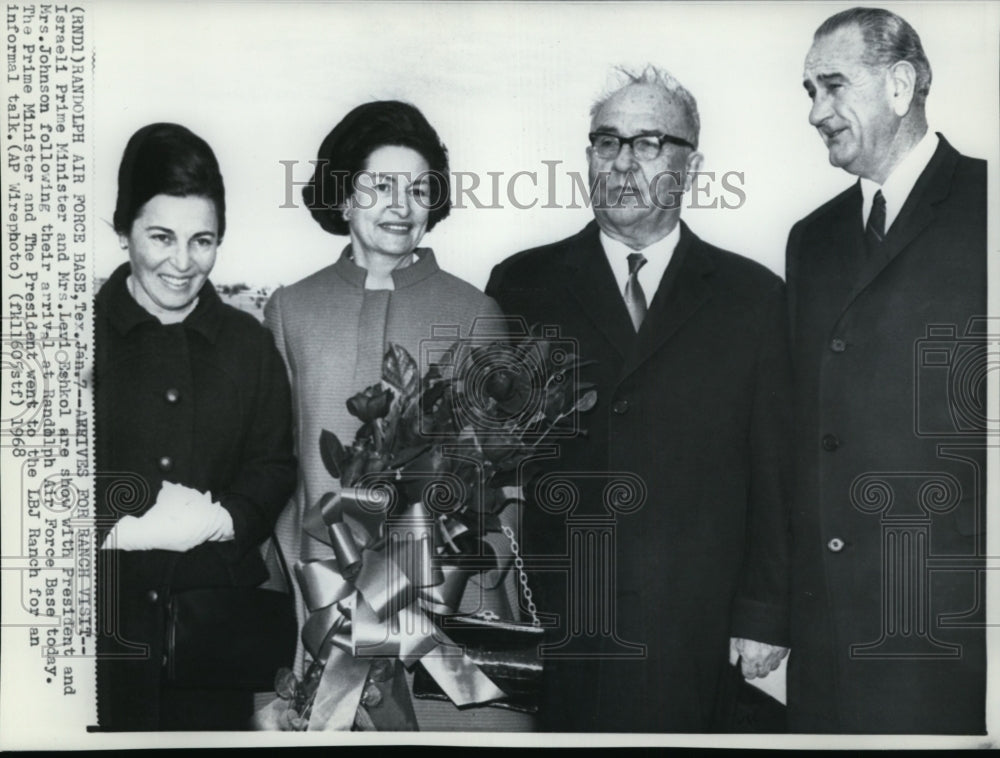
<point>194,444</point>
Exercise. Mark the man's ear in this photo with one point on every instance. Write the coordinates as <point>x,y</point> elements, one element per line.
<point>693,166</point>
<point>901,83</point>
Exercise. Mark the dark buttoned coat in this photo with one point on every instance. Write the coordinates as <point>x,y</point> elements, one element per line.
<point>204,403</point>
<point>692,414</point>
<point>890,370</point>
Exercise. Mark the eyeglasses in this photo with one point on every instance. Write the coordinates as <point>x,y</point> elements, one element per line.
<point>645,147</point>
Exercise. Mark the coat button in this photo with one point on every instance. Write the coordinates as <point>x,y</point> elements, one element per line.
<point>835,545</point>
<point>172,396</point>
<point>165,464</point>
<point>620,407</point>
<point>152,596</point>
<point>838,345</point>
<point>830,442</point>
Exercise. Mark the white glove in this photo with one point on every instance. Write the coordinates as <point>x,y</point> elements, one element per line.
<point>180,519</point>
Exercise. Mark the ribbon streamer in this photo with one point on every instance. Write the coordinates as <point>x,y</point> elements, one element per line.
<point>369,600</point>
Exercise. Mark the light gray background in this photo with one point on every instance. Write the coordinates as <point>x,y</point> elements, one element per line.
<point>507,85</point>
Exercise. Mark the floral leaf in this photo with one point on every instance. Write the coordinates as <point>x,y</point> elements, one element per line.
<point>508,465</point>
<point>287,719</point>
<point>332,453</point>
<point>408,427</point>
<point>497,447</point>
<point>354,467</point>
<point>588,401</point>
<point>433,394</point>
<point>400,370</point>
<point>557,401</point>
<point>537,418</point>
<point>572,360</point>
<point>375,464</point>
<point>408,455</point>
<point>285,684</point>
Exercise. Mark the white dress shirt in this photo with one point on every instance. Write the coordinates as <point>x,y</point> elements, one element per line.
<point>900,182</point>
<point>658,255</point>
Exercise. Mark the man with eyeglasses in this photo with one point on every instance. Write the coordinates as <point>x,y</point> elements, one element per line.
<point>691,369</point>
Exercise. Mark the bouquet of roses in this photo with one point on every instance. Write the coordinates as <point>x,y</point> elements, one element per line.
<point>435,461</point>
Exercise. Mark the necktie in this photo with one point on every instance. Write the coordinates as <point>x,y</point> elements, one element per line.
<point>635,298</point>
<point>875,228</point>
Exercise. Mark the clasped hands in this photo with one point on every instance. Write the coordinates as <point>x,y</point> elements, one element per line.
<point>758,658</point>
<point>180,519</point>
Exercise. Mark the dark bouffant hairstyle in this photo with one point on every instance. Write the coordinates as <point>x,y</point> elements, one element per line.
<point>167,159</point>
<point>346,149</point>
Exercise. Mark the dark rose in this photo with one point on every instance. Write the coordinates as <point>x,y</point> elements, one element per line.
<point>371,404</point>
<point>500,384</point>
<point>498,377</point>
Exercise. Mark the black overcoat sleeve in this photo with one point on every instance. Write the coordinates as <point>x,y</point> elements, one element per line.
<point>760,610</point>
<point>267,472</point>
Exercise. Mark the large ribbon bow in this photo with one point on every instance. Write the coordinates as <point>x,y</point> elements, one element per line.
<point>369,601</point>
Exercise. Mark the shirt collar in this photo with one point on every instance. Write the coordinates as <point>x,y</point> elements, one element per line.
<point>657,256</point>
<point>899,184</point>
<point>126,314</point>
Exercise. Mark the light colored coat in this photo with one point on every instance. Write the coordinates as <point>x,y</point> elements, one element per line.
<point>332,333</point>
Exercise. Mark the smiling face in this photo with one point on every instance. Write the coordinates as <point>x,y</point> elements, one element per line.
<point>641,200</point>
<point>388,213</point>
<point>172,246</point>
<point>852,104</point>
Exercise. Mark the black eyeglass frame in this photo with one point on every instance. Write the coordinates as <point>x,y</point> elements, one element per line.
<point>622,141</point>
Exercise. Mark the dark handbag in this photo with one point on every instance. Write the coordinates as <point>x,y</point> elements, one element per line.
<point>507,652</point>
<point>230,637</point>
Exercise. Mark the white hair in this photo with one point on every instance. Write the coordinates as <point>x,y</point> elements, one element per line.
<point>657,77</point>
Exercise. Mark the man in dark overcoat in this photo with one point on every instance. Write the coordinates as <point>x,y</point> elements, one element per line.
<point>887,287</point>
<point>666,545</point>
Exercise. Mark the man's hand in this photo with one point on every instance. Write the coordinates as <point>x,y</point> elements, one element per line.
<point>759,658</point>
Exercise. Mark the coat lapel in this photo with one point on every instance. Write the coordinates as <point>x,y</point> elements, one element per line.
<point>683,290</point>
<point>916,214</point>
<point>592,284</point>
<point>836,258</point>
